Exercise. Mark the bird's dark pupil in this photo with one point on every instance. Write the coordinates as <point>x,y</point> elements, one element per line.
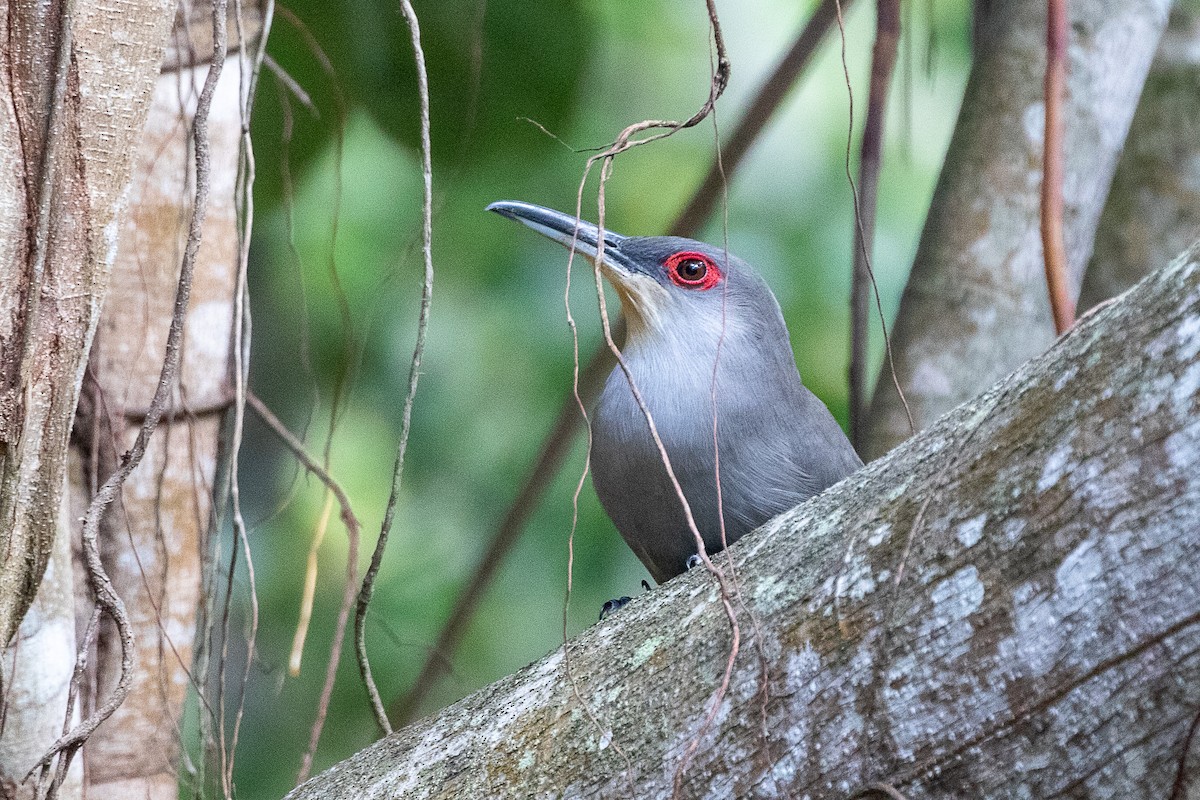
<point>692,269</point>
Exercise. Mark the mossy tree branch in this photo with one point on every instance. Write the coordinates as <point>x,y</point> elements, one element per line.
<point>1004,605</point>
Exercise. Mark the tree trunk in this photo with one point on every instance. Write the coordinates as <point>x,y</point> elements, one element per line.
<point>976,305</point>
<point>66,148</point>
<point>74,92</point>
<point>1005,606</point>
<point>1153,209</point>
<point>153,539</point>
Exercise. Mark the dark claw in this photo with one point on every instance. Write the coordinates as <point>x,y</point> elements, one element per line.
<point>613,605</point>
<point>693,561</point>
<point>645,584</point>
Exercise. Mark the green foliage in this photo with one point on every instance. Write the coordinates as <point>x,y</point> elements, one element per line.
<point>490,63</point>
<point>498,363</point>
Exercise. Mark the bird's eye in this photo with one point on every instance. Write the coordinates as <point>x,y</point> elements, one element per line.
<point>692,270</point>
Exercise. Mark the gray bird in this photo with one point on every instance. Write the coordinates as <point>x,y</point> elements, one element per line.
<point>777,443</point>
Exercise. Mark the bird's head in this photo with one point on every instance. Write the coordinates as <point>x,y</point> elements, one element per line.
<point>667,284</point>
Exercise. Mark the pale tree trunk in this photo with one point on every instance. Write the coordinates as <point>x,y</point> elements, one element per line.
<point>1153,209</point>
<point>38,669</point>
<point>74,93</point>
<point>976,305</point>
<point>69,123</point>
<point>153,538</point>
<point>1005,606</point>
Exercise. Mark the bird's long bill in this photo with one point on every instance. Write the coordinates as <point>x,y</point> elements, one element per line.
<point>567,231</point>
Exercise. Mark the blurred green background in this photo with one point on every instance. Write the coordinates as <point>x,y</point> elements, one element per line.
<point>339,190</point>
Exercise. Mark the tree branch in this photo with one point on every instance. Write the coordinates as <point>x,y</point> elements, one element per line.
<point>414,372</point>
<point>883,62</point>
<point>1153,208</point>
<point>1054,247</point>
<point>975,307</point>
<point>1044,637</point>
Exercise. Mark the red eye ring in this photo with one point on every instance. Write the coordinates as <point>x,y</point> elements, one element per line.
<point>692,270</point>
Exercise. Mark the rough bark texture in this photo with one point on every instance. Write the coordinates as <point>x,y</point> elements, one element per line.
<point>40,662</point>
<point>1153,209</point>
<point>153,539</point>
<point>47,320</point>
<point>64,171</point>
<point>1005,606</point>
<point>976,307</point>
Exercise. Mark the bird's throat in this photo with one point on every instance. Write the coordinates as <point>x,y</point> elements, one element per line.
<point>641,300</point>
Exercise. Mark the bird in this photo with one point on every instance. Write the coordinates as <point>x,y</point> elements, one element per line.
<point>696,314</point>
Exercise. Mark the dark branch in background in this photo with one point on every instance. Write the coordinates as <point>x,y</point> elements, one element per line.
<point>770,95</point>
<point>414,372</point>
<point>106,596</point>
<point>1054,247</point>
<point>302,455</point>
<point>354,533</point>
<point>883,61</point>
<point>558,442</point>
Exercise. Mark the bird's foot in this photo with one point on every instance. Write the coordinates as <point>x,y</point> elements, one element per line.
<point>613,605</point>
<point>619,602</point>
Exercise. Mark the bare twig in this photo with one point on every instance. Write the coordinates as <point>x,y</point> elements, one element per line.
<point>625,141</point>
<point>771,93</point>
<point>309,592</point>
<point>106,596</point>
<point>292,85</point>
<point>628,138</point>
<point>602,726</point>
<point>883,61</point>
<point>1180,786</point>
<point>302,455</point>
<point>764,689</point>
<point>244,200</point>
<point>335,651</point>
<point>591,379</point>
<point>334,488</point>
<point>77,676</point>
<point>1054,247</point>
<point>860,237</point>
<point>414,372</point>
<point>701,551</point>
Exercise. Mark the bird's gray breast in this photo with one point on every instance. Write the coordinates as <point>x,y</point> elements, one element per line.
<point>631,479</point>
<point>760,474</point>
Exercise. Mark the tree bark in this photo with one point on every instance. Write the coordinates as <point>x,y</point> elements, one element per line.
<point>154,538</point>
<point>1005,606</point>
<point>976,304</point>
<point>1153,209</point>
<point>75,88</point>
<point>65,158</point>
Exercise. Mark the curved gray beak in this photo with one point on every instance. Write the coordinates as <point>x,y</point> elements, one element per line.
<point>566,230</point>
